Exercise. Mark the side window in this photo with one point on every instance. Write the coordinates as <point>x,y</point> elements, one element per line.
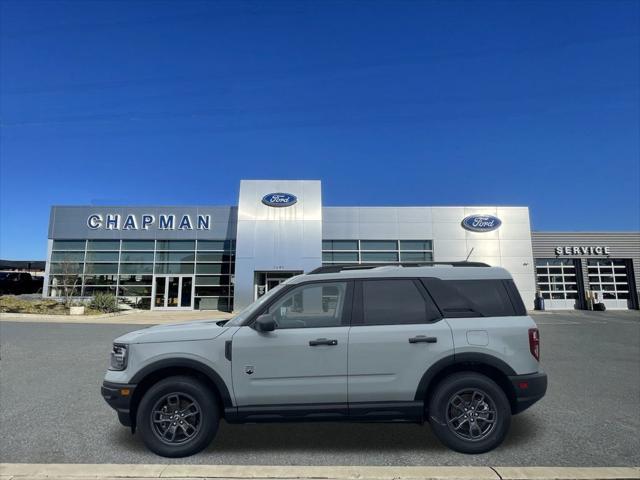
<point>311,306</point>
<point>471,298</point>
<point>395,302</point>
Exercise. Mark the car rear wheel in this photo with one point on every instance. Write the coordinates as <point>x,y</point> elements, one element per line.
<point>469,413</point>
<point>177,417</point>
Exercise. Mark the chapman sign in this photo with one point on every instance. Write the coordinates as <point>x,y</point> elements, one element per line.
<point>114,221</point>
<point>588,250</point>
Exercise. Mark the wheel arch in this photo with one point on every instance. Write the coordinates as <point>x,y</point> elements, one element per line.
<point>485,364</point>
<point>161,369</point>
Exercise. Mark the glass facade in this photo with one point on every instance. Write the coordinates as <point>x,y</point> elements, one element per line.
<point>203,270</point>
<point>376,251</point>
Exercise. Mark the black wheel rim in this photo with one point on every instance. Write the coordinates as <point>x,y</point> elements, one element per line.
<point>471,414</point>
<point>176,418</point>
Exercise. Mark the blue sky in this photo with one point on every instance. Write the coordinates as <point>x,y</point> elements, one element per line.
<point>402,103</point>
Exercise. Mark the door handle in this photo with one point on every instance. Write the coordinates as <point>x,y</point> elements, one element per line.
<point>322,341</point>
<point>423,339</point>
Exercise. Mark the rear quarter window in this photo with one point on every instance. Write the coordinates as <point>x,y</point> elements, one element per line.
<point>471,298</point>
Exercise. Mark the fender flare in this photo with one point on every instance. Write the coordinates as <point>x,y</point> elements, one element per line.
<point>456,359</point>
<point>200,367</point>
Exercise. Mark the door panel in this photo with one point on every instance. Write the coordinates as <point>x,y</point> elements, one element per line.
<point>286,369</point>
<point>384,366</point>
<point>396,335</point>
<point>304,360</point>
<point>186,290</point>
<point>173,289</point>
<point>160,291</point>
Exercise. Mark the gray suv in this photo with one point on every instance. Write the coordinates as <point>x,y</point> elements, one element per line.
<point>448,344</point>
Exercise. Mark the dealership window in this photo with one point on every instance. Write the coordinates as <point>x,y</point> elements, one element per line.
<point>214,268</point>
<point>176,245</point>
<point>138,245</point>
<point>376,251</point>
<point>608,277</point>
<point>69,245</point>
<point>126,268</point>
<point>102,256</point>
<point>556,278</point>
<point>175,257</point>
<point>67,256</point>
<point>103,245</point>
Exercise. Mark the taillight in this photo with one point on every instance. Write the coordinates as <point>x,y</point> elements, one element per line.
<point>534,343</point>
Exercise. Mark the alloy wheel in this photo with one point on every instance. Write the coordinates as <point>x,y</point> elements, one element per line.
<point>471,414</point>
<point>176,418</point>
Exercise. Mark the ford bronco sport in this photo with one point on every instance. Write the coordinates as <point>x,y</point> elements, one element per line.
<point>448,344</point>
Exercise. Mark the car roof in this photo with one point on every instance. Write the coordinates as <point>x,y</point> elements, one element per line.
<point>444,272</point>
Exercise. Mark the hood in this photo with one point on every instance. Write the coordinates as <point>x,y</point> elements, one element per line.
<point>175,332</point>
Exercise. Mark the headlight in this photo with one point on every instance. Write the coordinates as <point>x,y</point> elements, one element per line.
<point>118,360</point>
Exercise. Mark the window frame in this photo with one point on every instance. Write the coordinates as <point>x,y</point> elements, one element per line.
<point>347,309</point>
<point>357,316</point>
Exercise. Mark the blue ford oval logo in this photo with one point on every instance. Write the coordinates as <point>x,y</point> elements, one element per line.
<point>279,199</point>
<point>481,223</point>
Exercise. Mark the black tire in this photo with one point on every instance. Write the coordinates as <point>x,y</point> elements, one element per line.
<point>188,396</point>
<point>476,429</point>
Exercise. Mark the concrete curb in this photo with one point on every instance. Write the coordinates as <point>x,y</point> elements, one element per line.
<point>23,471</point>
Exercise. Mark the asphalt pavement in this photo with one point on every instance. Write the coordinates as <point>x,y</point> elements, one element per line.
<point>51,409</point>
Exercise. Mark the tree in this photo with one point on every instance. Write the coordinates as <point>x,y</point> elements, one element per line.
<point>68,279</point>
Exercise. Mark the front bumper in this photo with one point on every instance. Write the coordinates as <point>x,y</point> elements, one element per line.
<point>119,397</point>
<point>528,390</point>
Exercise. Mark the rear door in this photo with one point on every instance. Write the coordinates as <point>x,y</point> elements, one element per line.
<point>397,333</point>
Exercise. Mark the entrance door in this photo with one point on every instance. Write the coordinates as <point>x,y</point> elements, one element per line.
<point>265,281</point>
<point>173,292</point>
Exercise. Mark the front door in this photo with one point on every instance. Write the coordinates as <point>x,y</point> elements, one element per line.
<point>304,360</point>
<point>173,292</point>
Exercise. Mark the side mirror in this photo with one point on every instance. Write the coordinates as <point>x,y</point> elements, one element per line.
<point>265,323</point>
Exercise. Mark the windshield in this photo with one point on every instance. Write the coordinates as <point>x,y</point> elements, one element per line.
<point>249,309</point>
<point>5,275</point>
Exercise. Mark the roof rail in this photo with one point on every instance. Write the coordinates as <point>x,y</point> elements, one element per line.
<point>366,266</point>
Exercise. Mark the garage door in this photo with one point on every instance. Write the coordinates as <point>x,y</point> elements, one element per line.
<point>609,278</point>
<point>557,282</point>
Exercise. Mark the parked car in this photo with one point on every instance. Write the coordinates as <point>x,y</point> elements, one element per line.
<point>449,345</point>
<point>17,283</point>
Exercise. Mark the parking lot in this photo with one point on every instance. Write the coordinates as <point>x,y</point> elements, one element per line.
<point>51,409</point>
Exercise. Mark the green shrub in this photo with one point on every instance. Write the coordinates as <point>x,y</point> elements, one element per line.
<point>104,302</point>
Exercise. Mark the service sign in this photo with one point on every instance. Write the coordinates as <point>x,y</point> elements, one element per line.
<point>279,199</point>
<point>586,250</point>
<point>481,223</point>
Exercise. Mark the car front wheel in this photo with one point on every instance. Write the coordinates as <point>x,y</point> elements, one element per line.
<point>469,413</point>
<point>177,417</point>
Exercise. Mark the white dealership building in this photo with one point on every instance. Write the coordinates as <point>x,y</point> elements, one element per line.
<point>223,257</point>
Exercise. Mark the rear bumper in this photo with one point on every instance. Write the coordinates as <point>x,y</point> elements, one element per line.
<point>114,395</point>
<point>528,390</point>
